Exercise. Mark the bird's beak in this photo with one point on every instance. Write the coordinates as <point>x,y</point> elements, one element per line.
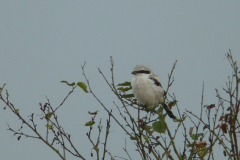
<point>134,72</point>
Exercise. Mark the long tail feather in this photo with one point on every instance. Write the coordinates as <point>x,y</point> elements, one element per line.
<point>169,112</point>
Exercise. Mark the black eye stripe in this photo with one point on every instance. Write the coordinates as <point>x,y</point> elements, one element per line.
<point>143,71</point>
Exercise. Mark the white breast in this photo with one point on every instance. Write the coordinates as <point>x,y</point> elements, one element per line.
<point>146,92</point>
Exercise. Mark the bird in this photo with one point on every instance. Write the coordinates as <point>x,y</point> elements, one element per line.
<point>147,88</point>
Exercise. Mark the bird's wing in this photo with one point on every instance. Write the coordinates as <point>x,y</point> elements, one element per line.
<point>155,79</point>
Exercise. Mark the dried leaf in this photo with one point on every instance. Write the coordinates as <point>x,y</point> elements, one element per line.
<point>224,153</point>
<point>143,126</point>
<point>226,117</point>
<point>190,131</point>
<point>211,106</point>
<point>201,144</point>
<point>221,118</point>
<point>171,104</point>
<point>149,149</point>
<point>168,153</point>
<point>224,128</point>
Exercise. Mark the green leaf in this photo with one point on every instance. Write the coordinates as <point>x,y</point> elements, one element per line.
<point>48,116</point>
<point>159,110</point>
<point>132,119</point>
<point>90,123</point>
<point>159,126</point>
<point>146,139</point>
<point>49,126</point>
<point>93,113</point>
<point>202,151</point>
<point>127,96</point>
<point>162,117</point>
<point>96,148</point>
<point>133,138</point>
<point>124,84</point>
<point>17,110</point>
<point>148,129</point>
<point>179,120</point>
<point>125,89</point>
<point>72,84</point>
<point>147,108</point>
<point>195,136</point>
<point>83,86</point>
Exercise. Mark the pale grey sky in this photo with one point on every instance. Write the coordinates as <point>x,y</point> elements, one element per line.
<point>44,42</point>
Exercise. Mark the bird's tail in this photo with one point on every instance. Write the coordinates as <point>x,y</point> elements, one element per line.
<point>169,112</point>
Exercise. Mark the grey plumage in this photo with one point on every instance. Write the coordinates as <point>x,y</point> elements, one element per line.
<point>147,88</point>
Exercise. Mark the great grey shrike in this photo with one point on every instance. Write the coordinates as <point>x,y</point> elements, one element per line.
<point>147,88</point>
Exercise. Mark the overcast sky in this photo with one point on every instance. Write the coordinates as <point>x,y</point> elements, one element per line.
<point>44,42</point>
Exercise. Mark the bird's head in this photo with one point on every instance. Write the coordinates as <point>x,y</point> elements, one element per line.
<point>141,69</point>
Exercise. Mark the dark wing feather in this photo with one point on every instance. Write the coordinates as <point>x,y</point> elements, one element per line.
<point>156,82</point>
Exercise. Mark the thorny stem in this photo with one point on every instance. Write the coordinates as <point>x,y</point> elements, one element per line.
<point>234,109</point>
<point>169,78</point>
<point>90,90</point>
<point>57,126</point>
<point>137,125</point>
<point>205,124</point>
<point>142,144</point>
<point>125,149</point>
<point>106,135</point>
<point>11,106</point>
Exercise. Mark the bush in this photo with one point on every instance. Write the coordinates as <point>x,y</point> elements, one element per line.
<point>148,130</point>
